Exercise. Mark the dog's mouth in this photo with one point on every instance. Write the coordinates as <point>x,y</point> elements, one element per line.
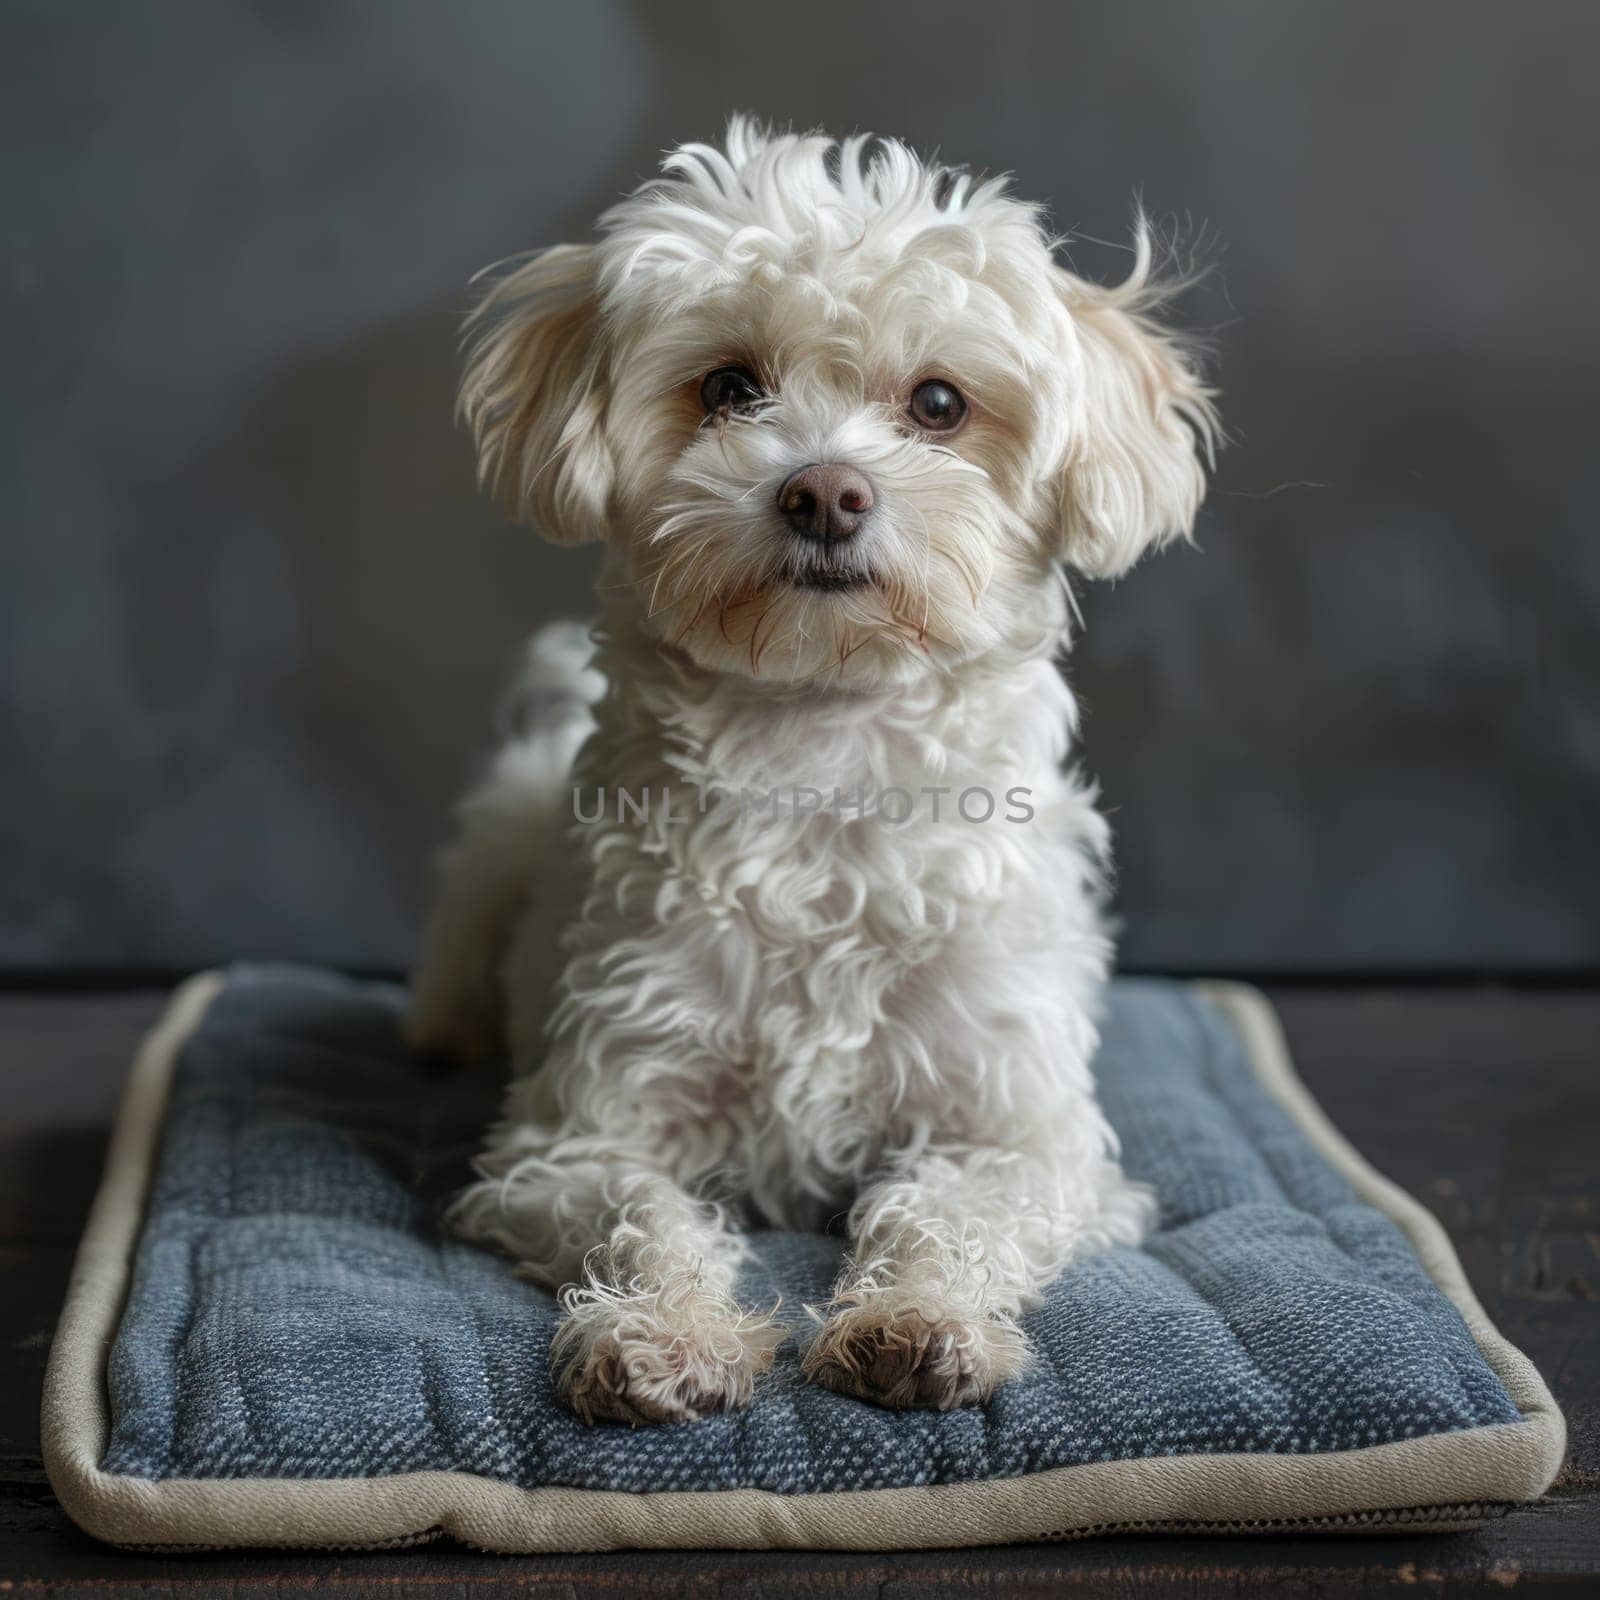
<point>827,578</point>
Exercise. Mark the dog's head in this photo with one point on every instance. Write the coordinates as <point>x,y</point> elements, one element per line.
<point>838,413</point>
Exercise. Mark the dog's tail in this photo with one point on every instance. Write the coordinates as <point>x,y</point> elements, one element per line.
<point>551,699</point>
<point>508,855</point>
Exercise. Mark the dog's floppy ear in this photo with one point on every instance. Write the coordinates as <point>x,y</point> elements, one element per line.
<point>1146,429</point>
<point>534,394</point>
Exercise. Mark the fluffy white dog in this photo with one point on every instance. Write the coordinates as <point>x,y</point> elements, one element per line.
<point>822,932</point>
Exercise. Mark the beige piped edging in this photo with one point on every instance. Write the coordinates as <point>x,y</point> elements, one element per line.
<point>1505,1463</point>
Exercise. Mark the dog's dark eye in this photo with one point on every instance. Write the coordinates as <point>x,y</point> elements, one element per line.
<point>937,406</point>
<point>730,389</point>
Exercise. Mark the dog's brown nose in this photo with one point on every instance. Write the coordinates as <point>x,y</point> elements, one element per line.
<point>825,500</point>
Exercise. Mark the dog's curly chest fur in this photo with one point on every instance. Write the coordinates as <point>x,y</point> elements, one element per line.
<point>753,860</point>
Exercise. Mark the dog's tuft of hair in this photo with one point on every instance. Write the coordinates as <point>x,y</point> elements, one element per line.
<point>721,1010</point>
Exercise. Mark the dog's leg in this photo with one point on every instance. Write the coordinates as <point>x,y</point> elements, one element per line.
<point>651,1330</point>
<point>505,866</point>
<point>509,862</point>
<point>944,1257</point>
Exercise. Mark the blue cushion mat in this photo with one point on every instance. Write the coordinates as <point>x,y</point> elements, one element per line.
<point>297,1311</point>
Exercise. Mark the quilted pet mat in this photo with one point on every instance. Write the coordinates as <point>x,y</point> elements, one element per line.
<point>269,1340</point>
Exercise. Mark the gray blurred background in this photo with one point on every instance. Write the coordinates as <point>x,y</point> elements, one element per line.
<point>253,618</point>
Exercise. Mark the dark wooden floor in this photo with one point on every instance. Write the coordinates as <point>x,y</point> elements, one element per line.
<point>1485,1103</point>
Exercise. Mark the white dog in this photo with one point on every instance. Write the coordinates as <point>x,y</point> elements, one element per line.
<point>837,415</point>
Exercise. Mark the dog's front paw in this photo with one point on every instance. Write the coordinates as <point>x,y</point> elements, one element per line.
<point>902,1354</point>
<point>656,1357</point>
